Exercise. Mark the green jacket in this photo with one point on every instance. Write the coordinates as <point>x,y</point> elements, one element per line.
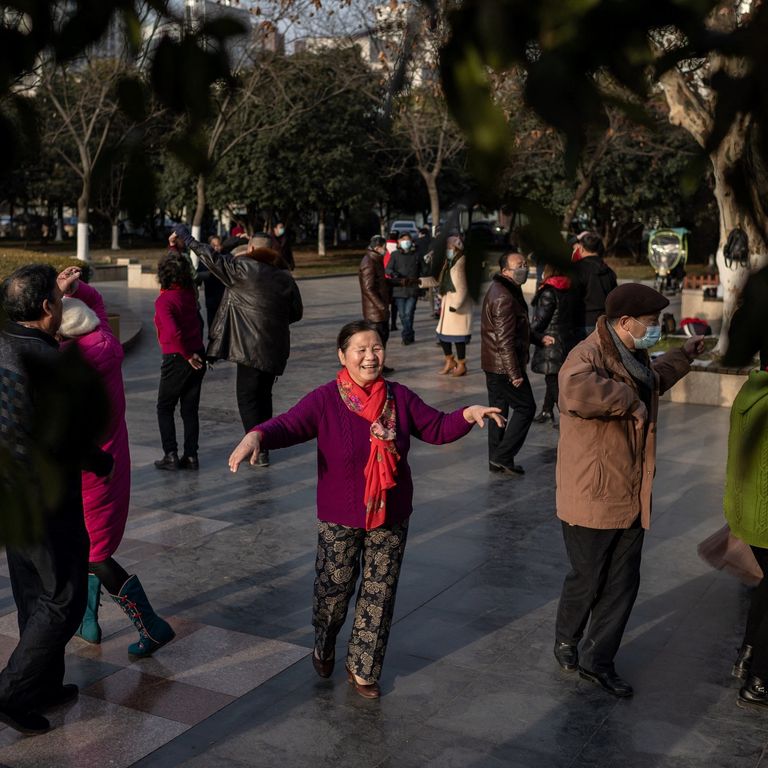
<point>746,475</point>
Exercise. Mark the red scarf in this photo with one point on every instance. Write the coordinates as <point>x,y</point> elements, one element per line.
<point>376,405</point>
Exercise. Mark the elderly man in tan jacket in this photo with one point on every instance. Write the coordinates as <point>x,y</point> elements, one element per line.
<point>606,460</point>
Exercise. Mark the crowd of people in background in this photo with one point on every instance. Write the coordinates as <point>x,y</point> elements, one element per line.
<point>590,340</point>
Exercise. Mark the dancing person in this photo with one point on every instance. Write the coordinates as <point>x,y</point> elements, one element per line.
<point>606,461</point>
<point>363,425</point>
<point>43,435</point>
<point>455,324</point>
<point>552,316</point>
<point>506,337</point>
<point>252,326</point>
<point>84,324</point>
<point>180,335</point>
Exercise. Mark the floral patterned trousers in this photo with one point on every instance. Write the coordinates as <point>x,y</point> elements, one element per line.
<point>341,552</point>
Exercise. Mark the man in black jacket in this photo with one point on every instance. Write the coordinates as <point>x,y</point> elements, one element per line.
<point>51,410</point>
<point>404,270</point>
<point>593,280</point>
<point>251,327</point>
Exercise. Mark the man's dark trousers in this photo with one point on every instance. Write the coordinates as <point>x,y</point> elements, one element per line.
<point>254,395</point>
<point>50,586</point>
<point>601,588</point>
<point>504,444</point>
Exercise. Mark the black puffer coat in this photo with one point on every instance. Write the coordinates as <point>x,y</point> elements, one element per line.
<point>553,316</point>
<point>260,302</point>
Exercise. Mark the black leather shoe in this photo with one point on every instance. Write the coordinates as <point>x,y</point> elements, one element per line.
<point>170,461</point>
<point>189,462</point>
<point>263,459</point>
<point>324,668</point>
<point>567,656</point>
<point>743,662</point>
<point>514,470</point>
<point>754,693</point>
<point>608,681</point>
<point>544,417</point>
<point>29,723</point>
<point>64,695</point>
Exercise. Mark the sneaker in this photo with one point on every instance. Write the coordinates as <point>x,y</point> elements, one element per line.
<point>514,470</point>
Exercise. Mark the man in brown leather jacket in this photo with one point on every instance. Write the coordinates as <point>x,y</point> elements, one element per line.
<point>505,338</point>
<point>606,461</point>
<point>375,290</point>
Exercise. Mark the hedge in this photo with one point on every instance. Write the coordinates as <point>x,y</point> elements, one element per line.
<point>13,258</point>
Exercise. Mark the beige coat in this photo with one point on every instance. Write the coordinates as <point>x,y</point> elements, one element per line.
<point>605,460</point>
<point>458,322</point>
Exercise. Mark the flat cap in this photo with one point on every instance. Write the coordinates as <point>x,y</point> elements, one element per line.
<point>634,299</point>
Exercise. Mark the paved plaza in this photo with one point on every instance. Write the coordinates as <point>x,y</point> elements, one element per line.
<point>469,679</point>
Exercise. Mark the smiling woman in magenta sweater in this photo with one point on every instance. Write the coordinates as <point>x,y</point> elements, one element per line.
<point>363,426</point>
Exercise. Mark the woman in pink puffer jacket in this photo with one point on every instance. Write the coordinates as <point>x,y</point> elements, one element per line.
<point>106,499</point>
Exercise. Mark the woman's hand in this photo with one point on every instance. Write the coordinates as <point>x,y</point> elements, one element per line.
<point>196,361</point>
<point>68,280</point>
<point>476,414</point>
<point>247,448</point>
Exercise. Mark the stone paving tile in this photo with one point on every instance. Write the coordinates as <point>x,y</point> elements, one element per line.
<point>91,733</point>
<point>221,660</point>
<point>159,696</point>
<point>469,679</point>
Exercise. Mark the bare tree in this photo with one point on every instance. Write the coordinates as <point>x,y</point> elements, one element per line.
<point>692,105</point>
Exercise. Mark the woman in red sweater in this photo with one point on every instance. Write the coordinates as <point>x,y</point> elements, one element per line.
<point>180,333</point>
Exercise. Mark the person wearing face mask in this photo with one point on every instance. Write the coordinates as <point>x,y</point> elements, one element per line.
<point>404,269</point>
<point>606,461</point>
<point>455,325</point>
<point>281,242</point>
<point>506,336</point>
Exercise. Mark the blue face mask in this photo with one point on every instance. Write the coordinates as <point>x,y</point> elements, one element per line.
<point>405,245</point>
<point>450,253</point>
<point>649,339</point>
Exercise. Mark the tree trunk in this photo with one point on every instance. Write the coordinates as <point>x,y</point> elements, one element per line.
<point>430,179</point>
<point>729,156</point>
<point>321,232</point>
<point>115,236</point>
<point>83,253</point>
<point>59,222</point>
<point>197,219</point>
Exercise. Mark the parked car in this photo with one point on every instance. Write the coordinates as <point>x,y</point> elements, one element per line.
<point>405,225</point>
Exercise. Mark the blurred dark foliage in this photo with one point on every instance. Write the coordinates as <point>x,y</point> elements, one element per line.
<point>568,48</point>
<point>182,67</point>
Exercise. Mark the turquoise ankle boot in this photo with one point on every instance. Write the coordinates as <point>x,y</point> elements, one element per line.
<point>154,632</point>
<point>89,628</point>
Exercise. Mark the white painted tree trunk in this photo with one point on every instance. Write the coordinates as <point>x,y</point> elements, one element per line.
<point>59,229</point>
<point>321,234</point>
<point>83,251</point>
<point>197,232</point>
<point>115,237</point>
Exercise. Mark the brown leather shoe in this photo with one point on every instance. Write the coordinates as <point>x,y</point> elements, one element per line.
<point>370,691</point>
<point>323,668</point>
